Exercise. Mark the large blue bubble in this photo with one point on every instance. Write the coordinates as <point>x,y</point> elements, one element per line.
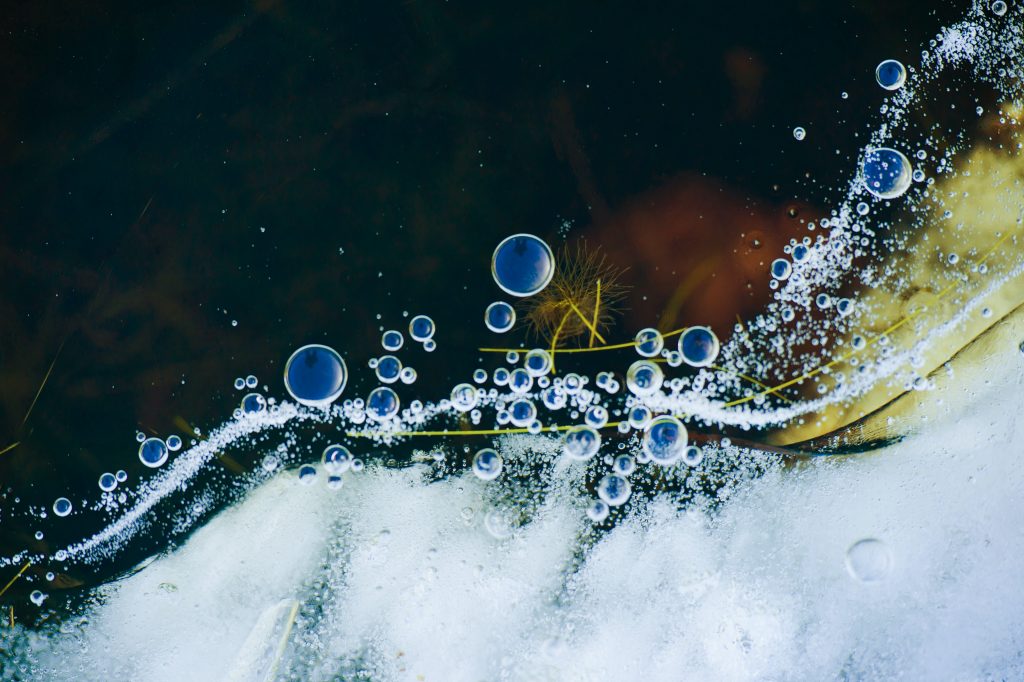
<point>887,172</point>
<point>699,346</point>
<point>523,265</point>
<point>315,375</point>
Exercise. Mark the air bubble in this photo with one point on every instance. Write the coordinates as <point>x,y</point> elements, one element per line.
<point>624,465</point>
<point>869,560</point>
<point>522,265</point>
<point>537,362</point>
<point>799,133</point>
<point>464,397</point>
<point>307,474</point>
<point>253,403</point>
<point>500,317</point>
<point>598,511</point>
<point>522,412</point>
<point>389,369</point>
<point>392,340</point>
<point>664,439</point>
<point>421,328</point>
<point>582,442</point>
<point>781,269</point>
<point>613,490</point>
<point>107,482</point>
<point>649,342</point>
<point>315,375</point>
<point>891,74</point>
<point>336,459</point>
<point>153,452</point>
<point>699,346</point>
<point>886,172</point>
<point>382,403</point>
<point>693,456</point>
<point>644,377</point>
<point>62,506</point>
<point>487,464</point>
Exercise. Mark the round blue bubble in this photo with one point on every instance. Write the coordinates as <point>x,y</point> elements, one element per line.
<point>382,404</point>
<point>487,464</point>
<point>62,506</point>
<point>699,346</point>
<point>253,403</point>
<point>781,269</point>
<point>388,369</point>
<point>613,490</point>
<point>523,265</point>
<point>664,439</point>
<point>421,328</point>
<point>315,375</point>
<point>887,172</point>
<point>392,340</point>
<point>153,452</point>
<point>107,482</point>
<point>891,74</point>
<point>500,317</point>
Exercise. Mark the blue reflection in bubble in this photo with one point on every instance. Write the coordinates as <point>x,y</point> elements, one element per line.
<point>523,265</point>
<point>315,375</point>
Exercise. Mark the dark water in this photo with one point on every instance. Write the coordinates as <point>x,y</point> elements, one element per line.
<point>302,168</point>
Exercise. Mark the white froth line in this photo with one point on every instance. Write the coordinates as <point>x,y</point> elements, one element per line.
<point>181,470</point>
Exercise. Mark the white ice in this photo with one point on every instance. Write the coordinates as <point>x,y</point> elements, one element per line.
<point>392,579</point>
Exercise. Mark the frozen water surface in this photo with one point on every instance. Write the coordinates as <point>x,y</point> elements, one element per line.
<point>624,529</point>
<point>395,578</point>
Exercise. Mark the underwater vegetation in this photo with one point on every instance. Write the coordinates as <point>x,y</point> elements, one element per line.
<point>790,494</point>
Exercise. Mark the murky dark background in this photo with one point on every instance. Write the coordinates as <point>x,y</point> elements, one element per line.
<point>301,168</point>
